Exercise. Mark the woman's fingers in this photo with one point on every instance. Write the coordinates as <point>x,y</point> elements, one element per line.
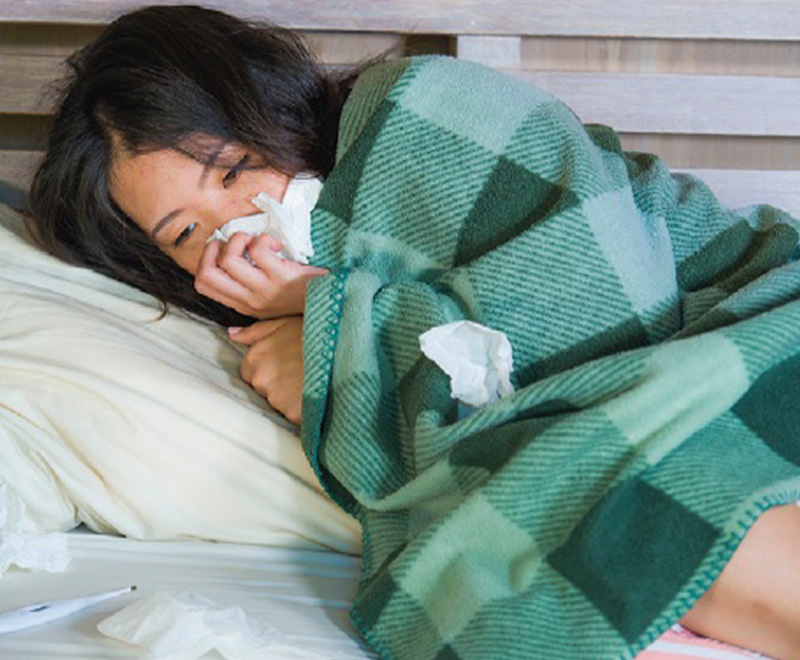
<point>262,251</point>
<point>263,286</point>
<point>233,261</point>
<point>273,365</point>
<point>267,241</point>
<point>226,277</point>
<point>255,332</point>
<point>212,281</point>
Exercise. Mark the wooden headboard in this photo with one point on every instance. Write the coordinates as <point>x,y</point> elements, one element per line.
<point>712,86</point>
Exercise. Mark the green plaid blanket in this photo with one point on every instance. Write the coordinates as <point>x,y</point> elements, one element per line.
<point>656,341</point>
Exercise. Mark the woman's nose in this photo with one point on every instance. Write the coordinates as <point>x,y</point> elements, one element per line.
<point>225,209</point>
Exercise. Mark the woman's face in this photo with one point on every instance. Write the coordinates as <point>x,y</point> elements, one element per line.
<point>179,202</point>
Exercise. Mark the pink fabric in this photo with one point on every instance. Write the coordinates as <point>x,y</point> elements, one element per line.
<point>680,644</point>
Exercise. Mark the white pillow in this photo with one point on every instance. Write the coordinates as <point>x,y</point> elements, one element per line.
<point>136,426</point>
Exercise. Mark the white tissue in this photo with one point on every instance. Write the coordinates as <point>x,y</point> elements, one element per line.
<point>289,221</point>
<point>477,359</point>
<point>187,625</point>
<point>40,552</point>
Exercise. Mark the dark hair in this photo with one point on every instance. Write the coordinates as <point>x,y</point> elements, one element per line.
<point>170,77</point>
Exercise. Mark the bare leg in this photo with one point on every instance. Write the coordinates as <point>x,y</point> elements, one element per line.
<point>755,601</point>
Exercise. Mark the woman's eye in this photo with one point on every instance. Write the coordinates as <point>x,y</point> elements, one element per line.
<point>233,173</point>
<point>184,234</point>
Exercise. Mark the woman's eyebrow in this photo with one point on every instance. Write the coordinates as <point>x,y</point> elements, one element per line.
<point>164,222</point>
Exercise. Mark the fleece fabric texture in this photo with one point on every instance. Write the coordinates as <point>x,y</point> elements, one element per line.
<point>656,341</point>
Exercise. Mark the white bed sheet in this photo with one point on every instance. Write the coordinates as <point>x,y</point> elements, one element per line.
<point>303,593</point>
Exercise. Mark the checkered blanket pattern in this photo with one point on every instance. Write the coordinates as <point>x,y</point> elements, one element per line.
<point>656,341</point>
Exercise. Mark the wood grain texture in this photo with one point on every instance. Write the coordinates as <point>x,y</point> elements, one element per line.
<point>706,19</point>
<point>634,103</point>
<point>645,55</point>
<point>27,80</point>
<point>740,188</point>
<point>716,151</point>
<point>576,53</point>
<point>351,47</point>
<point>17,167</point>
<point>501,52</point>
<point>41,39</point>
<point>671,103</point>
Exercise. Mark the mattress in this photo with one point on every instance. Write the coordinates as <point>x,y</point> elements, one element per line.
<point>303,593</point>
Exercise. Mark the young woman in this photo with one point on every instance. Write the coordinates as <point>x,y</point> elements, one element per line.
<point>173,120</point>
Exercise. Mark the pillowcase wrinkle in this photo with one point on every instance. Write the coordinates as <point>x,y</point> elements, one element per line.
<point>138,426</point>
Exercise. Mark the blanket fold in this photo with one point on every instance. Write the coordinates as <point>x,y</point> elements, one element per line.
<point>656,341</point>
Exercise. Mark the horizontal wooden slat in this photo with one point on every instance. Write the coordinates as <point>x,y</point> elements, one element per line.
<point>26,81</point>
<point>735,188</point>
<point>738,188</point>
<point>351,47</point>
<point>16,172</point>
<point>17,167</point>
<point>667,103</point>
<point>491,51</point>
<point>578,53</point>
<point>714,151</point>
<point>25,78</point>
<point>61,40</point>
<point>711,19</point>
<point>647,55</point>
<point>41,39</point>
<point>634,103</point>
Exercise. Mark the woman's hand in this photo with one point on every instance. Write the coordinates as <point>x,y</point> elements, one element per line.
<point>267,288</point>
<point>273,365</point>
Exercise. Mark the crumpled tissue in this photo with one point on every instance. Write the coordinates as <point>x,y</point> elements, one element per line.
<point>288,222</point>
<point>188,625</point>
<point>477,359</point>
<point>38,552</point>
